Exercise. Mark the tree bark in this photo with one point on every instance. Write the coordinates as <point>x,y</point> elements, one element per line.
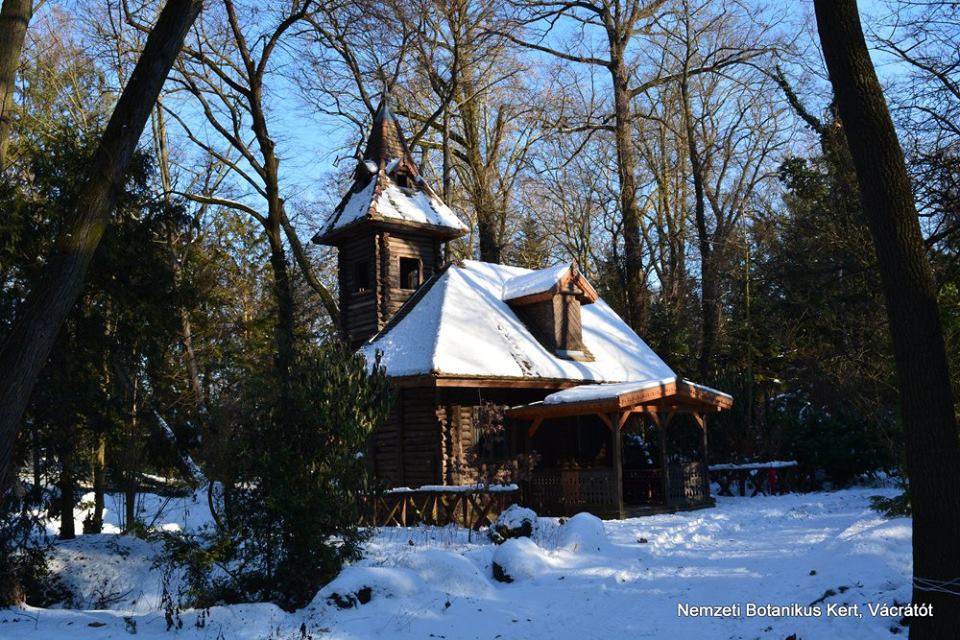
<point>38,320</point>
<point>283,294</point>
<point>67,483</point>
<point>14,17</point>
<point>709,286</point>
<point>636,290</point>
<point>926,398</point>
<point>99,483</point>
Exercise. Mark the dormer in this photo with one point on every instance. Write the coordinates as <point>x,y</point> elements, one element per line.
<point>390,229</point>
<point>548,301</point>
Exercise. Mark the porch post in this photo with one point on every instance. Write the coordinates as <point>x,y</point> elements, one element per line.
<point>701,419</point>
<point>664,471</point>
<point>617,456</point>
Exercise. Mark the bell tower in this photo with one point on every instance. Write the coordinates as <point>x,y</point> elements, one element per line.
<point>390,230</point>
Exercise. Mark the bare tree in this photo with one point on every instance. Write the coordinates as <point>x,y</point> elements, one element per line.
<point>225,72</point>
<point>732,133</point>
<point>453,77</point>
<point>926,397</point>
<point>926,106</point>
<point>621,25</point>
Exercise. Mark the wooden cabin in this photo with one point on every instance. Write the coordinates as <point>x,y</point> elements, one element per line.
<point>583,408</point>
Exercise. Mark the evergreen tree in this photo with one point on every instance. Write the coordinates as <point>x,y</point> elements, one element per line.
<point>288,510</point>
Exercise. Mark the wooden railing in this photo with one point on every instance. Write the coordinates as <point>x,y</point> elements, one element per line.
<point>688,484</point>
<point>570,491</point>
<point>642,486</point>
<point>473,509</point>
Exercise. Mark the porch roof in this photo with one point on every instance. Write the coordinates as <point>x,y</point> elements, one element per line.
<point>666,395</point>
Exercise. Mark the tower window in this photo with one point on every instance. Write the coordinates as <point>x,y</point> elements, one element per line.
<point>361,276</point>
<point>409,273</point>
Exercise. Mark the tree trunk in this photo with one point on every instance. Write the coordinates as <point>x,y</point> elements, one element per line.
<point>14,18</point>
<point>130,500</point>
<point>283,295</point>
<point>99,483</point>
<point>67,484</point>
<point>132,460</point>
<point>636,289</point>
<point>709,285</point>
<point>37,493</point>
<point>926,399</point>
<point>488,229</point>
<point>39,318</point>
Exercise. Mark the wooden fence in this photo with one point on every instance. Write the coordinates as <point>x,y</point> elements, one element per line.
<point>642,486</point>
<point>565,492</point>
<point>688,483</point>
<point>473,509</point>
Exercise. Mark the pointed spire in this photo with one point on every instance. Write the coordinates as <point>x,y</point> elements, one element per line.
<point>386,141</point>
<point>383,111</point>
<point>388,190</point>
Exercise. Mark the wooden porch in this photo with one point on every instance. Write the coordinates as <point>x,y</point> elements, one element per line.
<point>566,492</point>
<point>610,488</point>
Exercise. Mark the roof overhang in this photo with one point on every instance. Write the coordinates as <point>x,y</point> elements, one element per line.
<point>570,280</point>
<point>336,236</point>
<point>671,396</point>
<point>481,382</point>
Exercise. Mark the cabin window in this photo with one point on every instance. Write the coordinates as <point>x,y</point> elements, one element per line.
<point>361,276</point>
<point>409,273</point>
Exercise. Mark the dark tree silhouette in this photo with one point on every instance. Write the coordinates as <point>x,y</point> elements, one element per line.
<point>14,18</point>
<point>41,315</point>
<point>926,399</point>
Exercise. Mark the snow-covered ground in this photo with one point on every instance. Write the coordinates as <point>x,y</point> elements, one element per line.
<point>583,579</point>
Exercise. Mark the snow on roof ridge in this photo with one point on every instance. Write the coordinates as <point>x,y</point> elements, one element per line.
<point>534,282</point>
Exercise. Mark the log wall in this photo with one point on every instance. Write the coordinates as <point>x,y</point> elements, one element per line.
<point>366,312</point>
<point>406,449</point>
<point>358,308</point>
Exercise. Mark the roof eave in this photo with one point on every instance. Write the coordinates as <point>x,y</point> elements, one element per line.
<point>335,236</point>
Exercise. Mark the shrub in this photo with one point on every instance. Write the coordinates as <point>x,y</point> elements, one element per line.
<point>288,512</point>
<point>514,522</point>
<point>843,443</point>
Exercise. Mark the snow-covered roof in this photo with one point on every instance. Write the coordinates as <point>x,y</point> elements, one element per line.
<point>534,282</point>
<point>544,282</point>
<point>461,326</point>
<point>590,392</point>
<point>388,188</point>
<point>625,396</point>
<point>381,199</point>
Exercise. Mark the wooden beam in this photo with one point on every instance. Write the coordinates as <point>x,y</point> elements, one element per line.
<point>534,426</point>
<point>482,382</point>
<point>632,398</point>
<point>675,407</point>
<point>617,455</point>
<point>623,419</point>
<point>698,392</point>
<point>702,421</point>
<point>564,410</point>
<point>664,470</point>
<point>606,420</point>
